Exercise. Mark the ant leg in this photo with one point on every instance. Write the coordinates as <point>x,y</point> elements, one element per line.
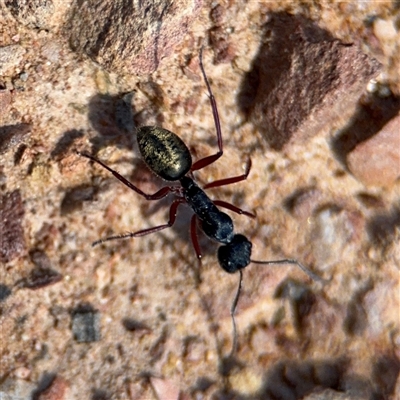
<point>233,208</point>
<point>172,217</point>
<point>156,196</point>
<point>311,274</point>
<point>199,164</point>
<point>193,235</point>
<point>233,309</point>
<point>228,181</point>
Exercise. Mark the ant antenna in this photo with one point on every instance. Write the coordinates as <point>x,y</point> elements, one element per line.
<point>311,274</point>
<point>306,270</point>
<point>233,309</point>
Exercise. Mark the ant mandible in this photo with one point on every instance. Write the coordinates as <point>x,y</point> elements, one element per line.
<point>168,157</point>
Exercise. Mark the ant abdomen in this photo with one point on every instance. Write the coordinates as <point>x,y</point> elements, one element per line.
<point>164,152</point>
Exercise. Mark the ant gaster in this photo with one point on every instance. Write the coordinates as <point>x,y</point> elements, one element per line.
<point>168,157</point>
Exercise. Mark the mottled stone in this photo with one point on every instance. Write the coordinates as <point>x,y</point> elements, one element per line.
<point>165,389</point>
<point>33,13</point>
<point>376,161</point>
<point>75,198</point>
<point>302,203</point>
<point>301,80</point>
<point>16,389</point>
<point>12,241</point>
<point>42,14</point>
<point>56,391</point>
<point>293,380</point>
<point>128,37</point>
<point>12,135</point>
<point>5,292</point>
<point>10,57</point>
<point>86,324</point>
<point>329,394</point>
<point>334,231</point>
<point>5,101</point>
<point>220,37</point>
<point>42,275</point>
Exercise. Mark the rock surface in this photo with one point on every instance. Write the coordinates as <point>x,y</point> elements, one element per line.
<point>131,319</point>
<point>376,162</point>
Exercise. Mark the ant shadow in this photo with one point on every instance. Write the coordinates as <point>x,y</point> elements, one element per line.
<point>293,380</point>
<point>113,120</point>
<point>383,228</point>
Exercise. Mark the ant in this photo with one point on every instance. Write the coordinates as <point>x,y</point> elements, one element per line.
<point>167,156</point>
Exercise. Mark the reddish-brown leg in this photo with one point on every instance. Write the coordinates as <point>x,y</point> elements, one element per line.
<point>172,217</point>
<point>156,196</point>
<point>193,235</point>
<point>199,164</point>
<point>229,181</point>
<point>233,208</point>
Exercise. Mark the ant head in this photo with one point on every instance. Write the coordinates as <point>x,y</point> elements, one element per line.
<point>235,255</point>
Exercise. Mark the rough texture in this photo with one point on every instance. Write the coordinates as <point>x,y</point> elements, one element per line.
<point>33,13</point>
<point>301,80</point>
<point>12,240</point>
<point>137,319</point>
<point>11,136</point>
<point>39,14</point>
<point>10,57</point>
<point>42,275</point>
<point>58,390</point>
<point>129,37</point>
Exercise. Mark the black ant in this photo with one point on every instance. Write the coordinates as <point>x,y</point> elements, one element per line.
<point>168,157</point>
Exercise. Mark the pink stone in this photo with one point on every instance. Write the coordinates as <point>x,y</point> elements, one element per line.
<point>376,161</point>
